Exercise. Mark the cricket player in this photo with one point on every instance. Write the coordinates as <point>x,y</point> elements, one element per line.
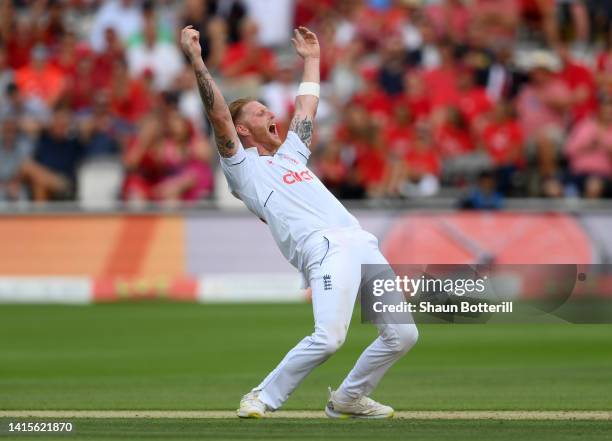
<point>313,230</point>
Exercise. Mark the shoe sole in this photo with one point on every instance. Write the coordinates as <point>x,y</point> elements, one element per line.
<point>346,416</point>
<point>251,415</point>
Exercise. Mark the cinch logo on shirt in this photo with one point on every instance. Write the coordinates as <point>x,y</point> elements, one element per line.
<point>292,177</point>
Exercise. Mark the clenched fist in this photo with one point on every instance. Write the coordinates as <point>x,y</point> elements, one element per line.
<point>190,42</point>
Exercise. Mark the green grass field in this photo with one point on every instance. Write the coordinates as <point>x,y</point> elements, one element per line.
<point>205,357</point>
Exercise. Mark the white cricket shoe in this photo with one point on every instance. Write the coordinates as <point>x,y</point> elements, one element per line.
<point>251,406</point>
<point>364,407</point>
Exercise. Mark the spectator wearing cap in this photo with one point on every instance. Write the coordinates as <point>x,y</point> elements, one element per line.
<point>543,107</point>
<point>589,151</point>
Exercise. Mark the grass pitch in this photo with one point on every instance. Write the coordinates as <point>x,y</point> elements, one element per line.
<point>301,429</point>
<point>165,356</point>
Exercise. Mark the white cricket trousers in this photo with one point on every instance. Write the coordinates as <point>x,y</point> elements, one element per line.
<point>333,268</point>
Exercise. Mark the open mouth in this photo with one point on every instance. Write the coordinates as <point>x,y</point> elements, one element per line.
<point>272,129</point>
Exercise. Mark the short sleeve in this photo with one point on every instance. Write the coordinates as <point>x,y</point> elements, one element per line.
<point>294,144</point>
<point>237,170</point>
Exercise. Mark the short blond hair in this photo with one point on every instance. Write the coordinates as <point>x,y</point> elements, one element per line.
<point>236,107</point>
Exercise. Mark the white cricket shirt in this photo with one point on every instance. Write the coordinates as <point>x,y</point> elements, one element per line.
<point>284,192</point>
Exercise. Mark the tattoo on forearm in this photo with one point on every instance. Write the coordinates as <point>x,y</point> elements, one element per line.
<point>302,126</point>
<point>205,86</point>
<point>225,145</point>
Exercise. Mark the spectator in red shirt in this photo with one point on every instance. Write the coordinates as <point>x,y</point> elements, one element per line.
<point>417,175</point>
<point>541,15</point>
<point>589,150</point>
<point>247,58</point>
<point>581,82</point>
<point>416,97</point>
<point>67,54</point>
<point>453,137</point>
<point>503,140</point>
<point>105,60</point>
<point>372,166</point>
<point>130,98</point>
<point>81,84</point>
<point>441,81</point>
<point>40,79</point>
<point>19,36</point>
<point>372,96</point>
<point>450,18</point>
<point>398,133</point>
<point>332,170</point>
<point>474,103</point>
<point>499,19</point>
<point>53,29</point>
<point>168,162</point>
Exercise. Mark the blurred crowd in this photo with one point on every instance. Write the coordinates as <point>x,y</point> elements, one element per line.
<point>480,99</point>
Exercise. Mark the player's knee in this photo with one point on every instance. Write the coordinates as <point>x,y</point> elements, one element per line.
<point>401,338</point>
<point>332,339</point>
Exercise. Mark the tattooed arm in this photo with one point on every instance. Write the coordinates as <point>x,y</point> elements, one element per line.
<point>307,47</point>
<point>216,108</point>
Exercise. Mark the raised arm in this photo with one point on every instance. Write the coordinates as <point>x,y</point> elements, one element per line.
<point>216,108</point>
<point>307,47</point>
